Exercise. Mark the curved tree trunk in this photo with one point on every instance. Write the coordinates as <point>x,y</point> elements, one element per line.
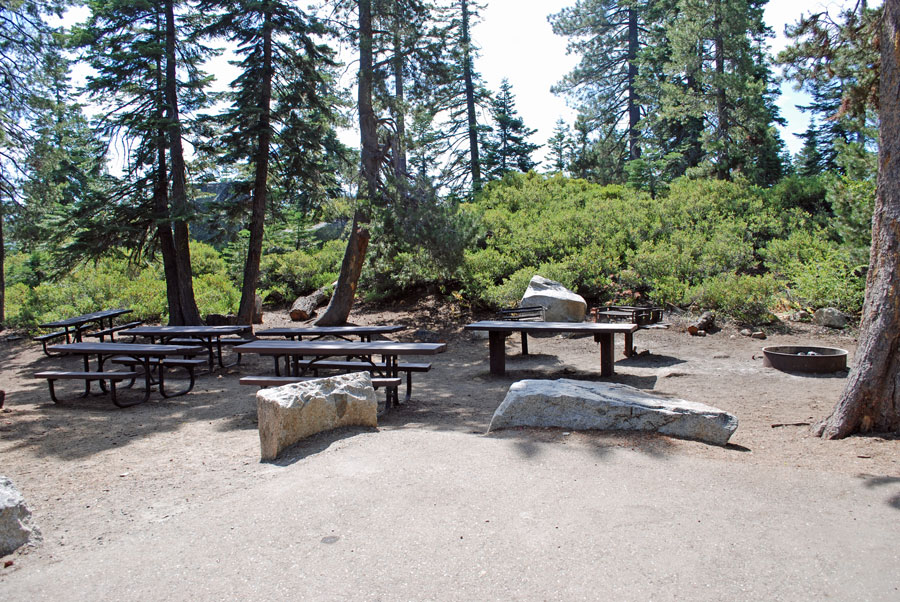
<point>351,267</point>
<point>470,99</point>
<point>871,399</point>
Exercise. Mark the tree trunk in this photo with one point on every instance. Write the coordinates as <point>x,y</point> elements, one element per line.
<point>304,308</point>
<point>871,399</point>
<point>634,111</point>
<point>2,271</point>
<point>400,164</point>
<point>351,267</point>
<point>470,98</point>
<point>189,313</point>
<point>724,160</point>
<point>161,207</point>
<point>259,194</point>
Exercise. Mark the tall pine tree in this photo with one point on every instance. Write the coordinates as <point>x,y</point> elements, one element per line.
<point>506,146</point>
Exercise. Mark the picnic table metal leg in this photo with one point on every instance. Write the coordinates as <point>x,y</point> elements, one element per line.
<point>497,347</point>
<point>524,343</point>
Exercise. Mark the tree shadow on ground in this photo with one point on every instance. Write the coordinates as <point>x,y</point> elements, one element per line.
<point>872,482</point>
<point>650,360</point>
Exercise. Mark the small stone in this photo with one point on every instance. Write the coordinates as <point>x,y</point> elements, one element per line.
<point>758,335</point>
<point>801,316</point>
<point>747,332</point>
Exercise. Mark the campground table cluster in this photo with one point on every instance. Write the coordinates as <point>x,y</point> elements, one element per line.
<point>151,359</point>
<point>498,330</point>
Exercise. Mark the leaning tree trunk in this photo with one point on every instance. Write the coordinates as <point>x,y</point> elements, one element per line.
<point>871,398</point>
<point>260,191</point>
<point>634,110</point>
<point>2,272</point>
<point>351,267</point>
<point>189,313</point>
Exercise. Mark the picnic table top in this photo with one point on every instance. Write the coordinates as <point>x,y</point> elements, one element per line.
<point>84,318</point>
<point>583,327</point>
<point>340,348</point>
<point>186,330</point>
<point>326,330</point>
<point>127,349</point>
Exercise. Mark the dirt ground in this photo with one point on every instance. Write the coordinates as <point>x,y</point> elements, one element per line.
<point>91,471</point>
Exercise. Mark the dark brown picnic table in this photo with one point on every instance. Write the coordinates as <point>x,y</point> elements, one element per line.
<point>74,327</point>
<point>210,337</point>
<point>314,333</point>
<point>498,330</point>
<point>149,357</point>
<point>321,351</point>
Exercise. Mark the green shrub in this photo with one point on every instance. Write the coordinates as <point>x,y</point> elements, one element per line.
<point>815,272</point>
<point>286,276</point>
<point>745,298</point>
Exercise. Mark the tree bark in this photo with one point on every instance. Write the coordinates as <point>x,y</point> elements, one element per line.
<point>260,190</point>
<point>2,271</point>
<point>870,401</point>
<point>722,165</point>
<point>351,267</point>
<point>400,163</point>
<point>189,313</point>
<point>470,98</point>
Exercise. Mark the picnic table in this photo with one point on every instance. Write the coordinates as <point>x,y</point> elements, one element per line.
<point>358,358</point>
<point>210,337</point>
<point>72,328</point>
<point>498,330</point>
<point>315,333</point>
<point>152,359</point>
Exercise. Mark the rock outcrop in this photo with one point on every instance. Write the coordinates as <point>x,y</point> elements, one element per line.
<point>292,412</point>
<point>16,528</point>
<point>830,317</point>
<point>559,303</point>
<point>581,405</point>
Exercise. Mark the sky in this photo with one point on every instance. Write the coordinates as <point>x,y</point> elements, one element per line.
<point>518,43</point>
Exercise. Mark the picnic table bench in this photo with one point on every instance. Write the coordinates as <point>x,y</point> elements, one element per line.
<point>498,330</point>
<point>148,361</point>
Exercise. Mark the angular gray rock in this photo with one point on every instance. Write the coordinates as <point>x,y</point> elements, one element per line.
<point>830,317</point>
<point>559,303</point>
<point>292,412</point>
<point>16,528</point>
<point>581,405</point>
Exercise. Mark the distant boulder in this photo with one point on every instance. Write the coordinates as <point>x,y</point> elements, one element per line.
<point>559,303</point>
<point>830,317</point>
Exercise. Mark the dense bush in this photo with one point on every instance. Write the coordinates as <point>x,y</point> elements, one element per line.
<point>728,246</point>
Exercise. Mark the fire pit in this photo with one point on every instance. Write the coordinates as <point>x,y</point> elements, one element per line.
<point>819,360</point>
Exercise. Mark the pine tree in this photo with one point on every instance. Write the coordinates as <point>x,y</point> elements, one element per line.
<point>282,77</point>
<point>716,77</point>
<point>505,145</point>
<point>27,51</point>
<point>145,74</point>
<point>560,147</point>
<point>608,35</point>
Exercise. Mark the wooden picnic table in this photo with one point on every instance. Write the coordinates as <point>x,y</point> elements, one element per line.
<point>498,330</point>
<point>210,337</point>
<point>315,333</point>
<point>362,352</point>
<point>76,324</point>
<point>151,358</point>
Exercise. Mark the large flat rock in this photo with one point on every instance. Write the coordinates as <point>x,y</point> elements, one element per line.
<point>580,405</point>
<point>293,412</point>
